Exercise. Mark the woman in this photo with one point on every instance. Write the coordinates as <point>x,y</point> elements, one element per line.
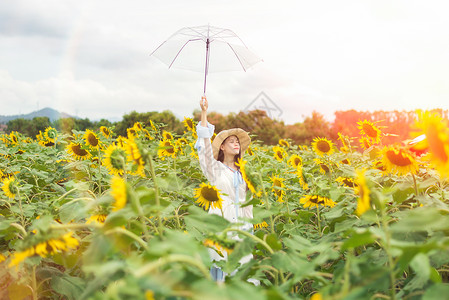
<point>218,163</point>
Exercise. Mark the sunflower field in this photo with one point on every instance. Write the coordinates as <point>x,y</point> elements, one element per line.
<point>93,215</point>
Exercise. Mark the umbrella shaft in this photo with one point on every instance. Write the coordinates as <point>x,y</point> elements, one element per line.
<point>206,68</point>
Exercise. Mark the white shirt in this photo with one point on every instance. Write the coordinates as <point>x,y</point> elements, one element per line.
<point>227,181</point>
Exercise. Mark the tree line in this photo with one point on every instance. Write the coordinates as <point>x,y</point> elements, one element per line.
<point>396,125</point>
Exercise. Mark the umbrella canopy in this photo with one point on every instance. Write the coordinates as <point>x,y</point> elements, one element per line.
<point>205,49</point>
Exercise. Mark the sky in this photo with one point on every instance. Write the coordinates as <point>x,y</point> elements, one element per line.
<point>91,59</point>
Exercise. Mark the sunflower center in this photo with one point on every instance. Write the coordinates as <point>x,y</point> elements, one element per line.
<point>325,168</point>
<point>92,139</point>
<point>106,131</point>
<point>78,150</point>
<point>323,146</point>
<point>297,161</point>
<point>436,144</point>
<point>349,182</point>
<point>398,159</point>
<point>210,194</point>
<point>369,130</point>
<point>315,199</point>
<point>170,149</point>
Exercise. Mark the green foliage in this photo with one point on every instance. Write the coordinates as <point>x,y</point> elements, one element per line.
<point>156,244</point>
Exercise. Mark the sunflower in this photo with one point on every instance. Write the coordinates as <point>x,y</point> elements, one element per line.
<point>167,135</point>
<point>115,159</point>
<point>248,179</point>
<point>435,129</point>
<point>250,151</point>
<point>91,139</point>
<point>279,153</point>
<point>46,143</point>
<point>147,134</point>
<point>322,146</point>
<point>295,161</point>
<point>100,219</point>
<point>121,141</point>
<point>219,245</point>
<point>316,296</point>
<point>260,225</point>
<point>362,191</point>
<point>345,161</point>
<point>284,143</point>
<point>300,176</point>
<point>118,192</point>
<point>2,258</point>
<point>315,200</point>
<point>344,143</point>
<point>365,143</point>
<point>13,136</point>
<point>76,150</point>
<point>379,166</point>
<point>52,246</point>
<point>189,124</point>
<point>400,160</point>
<point>324,167</point>
<point>370,130</point>
<point>50,134</point>
<point>138,126</point>
<point>166,149</point>
<point>346,181</point>
<point>153,126</point>
<point>208,195</point>
<point>193,151</point>
<point>135,156</point>
<point>131,133</point>
<point>105,131</point>
<point>277,187</point>
<point>10,187</point>
<point>149,295</point>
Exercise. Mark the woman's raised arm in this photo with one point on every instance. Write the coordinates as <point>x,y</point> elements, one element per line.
<point>204,105</point>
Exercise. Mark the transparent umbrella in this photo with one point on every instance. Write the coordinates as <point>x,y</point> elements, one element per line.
<point>206,49</point>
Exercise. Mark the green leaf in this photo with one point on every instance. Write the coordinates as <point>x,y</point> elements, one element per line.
<point>438,291</point>
<point>273,241</point>
<point>358,238</point>
<point>201,221</point>
<point>71,287</point>
<point>421,219</point>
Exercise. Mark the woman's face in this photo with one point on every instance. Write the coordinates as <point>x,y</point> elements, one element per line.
<point>231,145</point>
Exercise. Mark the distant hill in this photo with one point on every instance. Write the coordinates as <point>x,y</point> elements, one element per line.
<point>51,113</point>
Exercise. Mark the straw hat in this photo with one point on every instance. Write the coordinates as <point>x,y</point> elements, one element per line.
<point>241,134</point>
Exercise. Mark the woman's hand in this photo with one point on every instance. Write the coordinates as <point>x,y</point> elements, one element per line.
<point>204,104</point>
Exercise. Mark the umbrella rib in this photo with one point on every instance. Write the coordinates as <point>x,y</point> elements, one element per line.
<point>177,54</point>
<point>238,58</point>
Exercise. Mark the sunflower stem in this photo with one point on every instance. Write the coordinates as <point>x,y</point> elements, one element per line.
<point>34,283</point>
<point>20,227</point>
<point>318,218</point>
<point>148,268</point>
<point>156,194</point>
<point>99,171</point>
<point>387,249</point>
<point>129,234</point>
<point>415,184</point>
<point>255,238</point>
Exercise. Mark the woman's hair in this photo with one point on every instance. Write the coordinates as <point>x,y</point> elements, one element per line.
<point>220,156</point>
